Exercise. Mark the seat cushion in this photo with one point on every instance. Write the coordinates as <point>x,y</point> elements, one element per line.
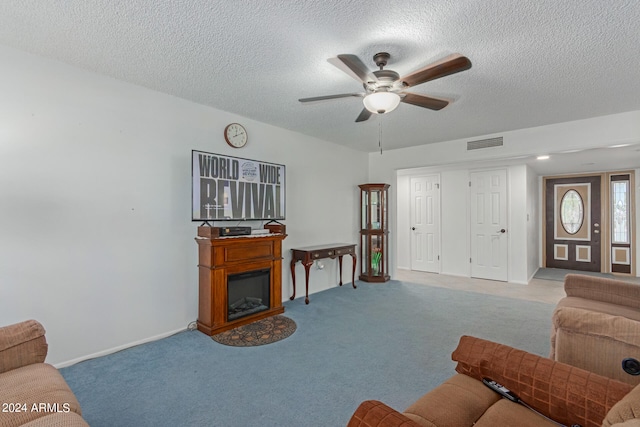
<point>38,384</point>
<point>507,413</point>
<point>458,402</point>
<point>69,419</point>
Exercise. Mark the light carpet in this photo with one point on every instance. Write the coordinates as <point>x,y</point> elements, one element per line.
<point>390,342</point>
<point>557,274</point>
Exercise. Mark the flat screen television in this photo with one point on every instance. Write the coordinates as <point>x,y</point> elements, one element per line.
<point>235,189</point>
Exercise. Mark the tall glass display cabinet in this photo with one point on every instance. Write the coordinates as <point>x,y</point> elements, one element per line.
<point>374,233</point>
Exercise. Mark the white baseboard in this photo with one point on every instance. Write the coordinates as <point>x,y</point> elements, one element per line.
<point>116,349</point>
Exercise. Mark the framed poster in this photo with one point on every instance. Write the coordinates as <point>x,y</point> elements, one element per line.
<point>235,189</point>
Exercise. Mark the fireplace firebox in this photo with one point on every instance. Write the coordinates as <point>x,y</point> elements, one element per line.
<point>247,293</point>
<point>240,280</point>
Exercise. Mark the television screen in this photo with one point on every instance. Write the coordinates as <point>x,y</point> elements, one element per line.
<point>232,188</point>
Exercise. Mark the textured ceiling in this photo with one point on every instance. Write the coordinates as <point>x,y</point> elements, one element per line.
<point>534,63</point>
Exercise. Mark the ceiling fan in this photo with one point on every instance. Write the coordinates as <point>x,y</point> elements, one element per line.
<point>385,89</point>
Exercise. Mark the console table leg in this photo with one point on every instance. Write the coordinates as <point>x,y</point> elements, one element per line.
<point>307,266</point>
<point>353,274</point>
<point>293,278</point>
<point>340,267</point>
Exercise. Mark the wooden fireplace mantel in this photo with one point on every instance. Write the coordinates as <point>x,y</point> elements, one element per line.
<point>220,257</point>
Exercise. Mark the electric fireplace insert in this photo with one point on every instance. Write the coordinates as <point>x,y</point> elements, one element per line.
<point>247,293</point>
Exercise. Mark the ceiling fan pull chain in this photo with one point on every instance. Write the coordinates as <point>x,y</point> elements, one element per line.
<point>380,132</point>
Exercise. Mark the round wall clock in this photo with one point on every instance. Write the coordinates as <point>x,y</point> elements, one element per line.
<point>236,135</point>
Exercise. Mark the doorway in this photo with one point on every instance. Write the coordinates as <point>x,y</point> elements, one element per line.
<point>588,222</point>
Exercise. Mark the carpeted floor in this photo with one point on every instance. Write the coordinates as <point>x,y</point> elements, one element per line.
<point>390,342</point>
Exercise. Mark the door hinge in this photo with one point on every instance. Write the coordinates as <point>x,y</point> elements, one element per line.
<point>469,260</point>
<point>438,257</point>
<point>438,186</point>
<point>469,183</point>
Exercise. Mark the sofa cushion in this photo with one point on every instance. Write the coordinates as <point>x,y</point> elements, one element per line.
<point>69,419</point>
<point>507,413</point>
<point>373,413</point>
<point>459,401</point>
<point>38,384</point>
<point>629,423</point>
<point>551,387</point>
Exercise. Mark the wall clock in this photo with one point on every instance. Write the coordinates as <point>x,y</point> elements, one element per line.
<point>236,135</point>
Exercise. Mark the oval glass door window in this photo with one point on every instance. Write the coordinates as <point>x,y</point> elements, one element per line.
<point>571,211</point>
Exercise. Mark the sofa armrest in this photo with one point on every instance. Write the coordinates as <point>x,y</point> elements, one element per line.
<point>602,289</point>
<point>22,344</point>
<point>372,413</point>
<point>564,393</point>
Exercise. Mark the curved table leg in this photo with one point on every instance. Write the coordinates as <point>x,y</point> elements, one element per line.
<point>307,266</point>
<point>293,278</point>
<point>353,274</point>
<point>340,266</point>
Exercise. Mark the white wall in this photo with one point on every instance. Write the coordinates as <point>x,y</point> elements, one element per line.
<point>95,193</point>
<point>403,223</point>
<point>454,157</point>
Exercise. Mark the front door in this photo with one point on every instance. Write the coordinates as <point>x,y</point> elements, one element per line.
<point>573,223</point>
<point>489,238</point>
<point>425,223</point>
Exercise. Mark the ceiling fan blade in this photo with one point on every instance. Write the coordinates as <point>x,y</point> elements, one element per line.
<point>450,65</point>
<point>353,66</point>
<point>322,98</point>
<point>364,115</point>
<point>425,101</point>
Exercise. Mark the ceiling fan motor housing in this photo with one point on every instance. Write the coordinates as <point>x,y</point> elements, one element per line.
<point>385,80</point>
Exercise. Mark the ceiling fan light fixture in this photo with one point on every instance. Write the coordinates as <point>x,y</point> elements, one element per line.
<point>381,102</point>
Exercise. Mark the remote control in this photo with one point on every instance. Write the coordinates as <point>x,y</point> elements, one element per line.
<point>500,389</point>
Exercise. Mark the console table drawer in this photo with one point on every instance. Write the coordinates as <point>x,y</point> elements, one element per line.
<point>344,251</point>
<point>323,254</point>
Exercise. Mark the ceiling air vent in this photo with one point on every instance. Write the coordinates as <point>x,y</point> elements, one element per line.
<point>484,143</point>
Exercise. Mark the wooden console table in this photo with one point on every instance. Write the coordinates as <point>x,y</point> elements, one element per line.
<point>309,254</point>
